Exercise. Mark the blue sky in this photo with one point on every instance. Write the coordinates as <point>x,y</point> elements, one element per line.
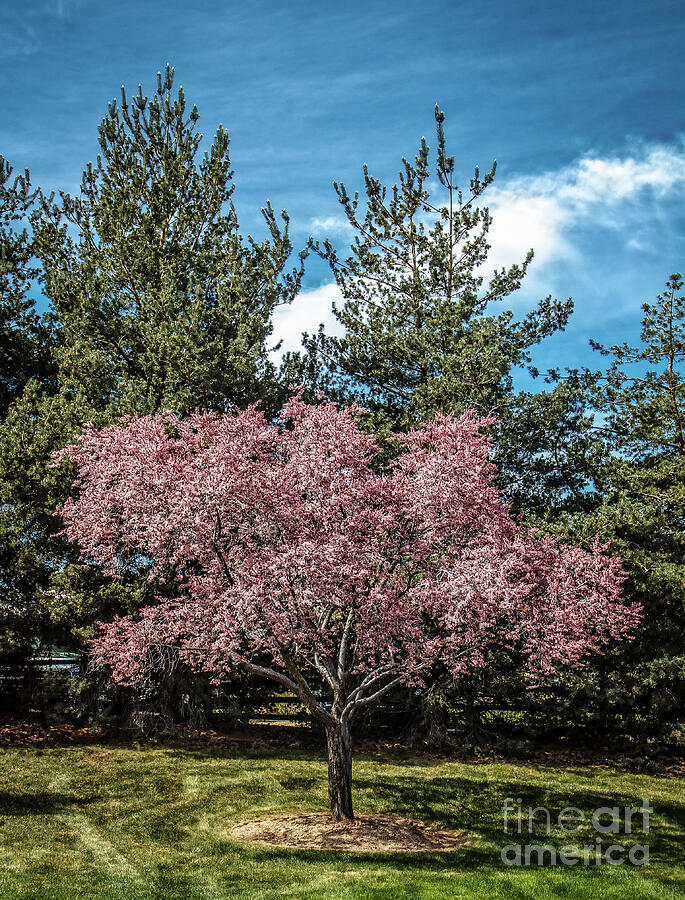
<point>581,103</point>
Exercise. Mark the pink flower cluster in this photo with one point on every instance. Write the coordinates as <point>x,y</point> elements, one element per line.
<point>296,557</point>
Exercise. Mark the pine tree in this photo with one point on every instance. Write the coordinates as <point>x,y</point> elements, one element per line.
<point>25,342</point>
<point>25,336</point>
<point>160,303</point>
<point>639,507</point>
<point>645,410</point>
<point>422,332</point>
<point>642,400</point>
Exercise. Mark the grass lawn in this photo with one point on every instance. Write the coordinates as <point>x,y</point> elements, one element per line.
<point>127,821</point>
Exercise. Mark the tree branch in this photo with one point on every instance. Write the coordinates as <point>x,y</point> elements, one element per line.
<point>303,691</point>
<point>364,701</point>
<point>345,643</point>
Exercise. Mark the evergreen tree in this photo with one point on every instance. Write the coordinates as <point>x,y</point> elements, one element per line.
<point>645,410</point>
<point>25,344</point>
<point>160,303</point>
<point>160,300</point>
<point>49,595</point>
<point>640,401</point>
<point>548,450</point>
<point>630,493</point>
<point>25,336</point>
<point>422,332</point>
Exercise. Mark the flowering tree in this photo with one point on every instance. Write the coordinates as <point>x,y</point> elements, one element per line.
<point>298,560</point>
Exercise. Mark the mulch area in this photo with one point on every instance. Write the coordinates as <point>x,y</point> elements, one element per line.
<point>258,737</point>
<point>37,734</point>
<point>365,834</point>
<point>21,733</point>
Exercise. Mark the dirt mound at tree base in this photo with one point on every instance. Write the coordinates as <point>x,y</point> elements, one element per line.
<point>367,833</point>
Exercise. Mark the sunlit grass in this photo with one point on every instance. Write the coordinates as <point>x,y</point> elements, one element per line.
<point>140,822</point>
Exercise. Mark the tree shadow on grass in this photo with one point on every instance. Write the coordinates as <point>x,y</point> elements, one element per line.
<point>299,782</point>
<point>476,808</point>
<point>39,804</point>
<point>465,859</point>
<point>293,753</point>
<point>469,857</point>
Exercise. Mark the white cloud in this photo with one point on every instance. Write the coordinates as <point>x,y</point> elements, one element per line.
<point>338,225</point>
<point>305,313</point>
<point>547,211</point>
<point>555,213</point>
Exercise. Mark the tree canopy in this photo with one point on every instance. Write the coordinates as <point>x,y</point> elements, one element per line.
<point>25,337</point>
<point>296,559</point>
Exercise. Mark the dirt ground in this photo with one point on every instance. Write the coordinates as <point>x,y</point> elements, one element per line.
<point>367,834</point>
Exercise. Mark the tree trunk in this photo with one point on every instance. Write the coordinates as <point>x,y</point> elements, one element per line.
<point>339,770</point>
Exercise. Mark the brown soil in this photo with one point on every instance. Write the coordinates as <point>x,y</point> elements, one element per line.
<point>367,833</point>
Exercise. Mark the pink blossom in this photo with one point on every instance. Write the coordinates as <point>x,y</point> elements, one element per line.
<point>295,558</point>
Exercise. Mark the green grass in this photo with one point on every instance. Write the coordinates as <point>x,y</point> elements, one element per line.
<point>112,822</point>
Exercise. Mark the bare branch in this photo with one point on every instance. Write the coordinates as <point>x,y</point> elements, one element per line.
<point>220,556</point>
<point>241,663</point>
<point>325,668</point>
<point>364,701</point>
<point>371,679</point>
<point>345,642</point>
<point>302,689</point>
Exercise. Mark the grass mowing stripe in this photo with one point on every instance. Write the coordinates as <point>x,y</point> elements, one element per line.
<point>105,854</point>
